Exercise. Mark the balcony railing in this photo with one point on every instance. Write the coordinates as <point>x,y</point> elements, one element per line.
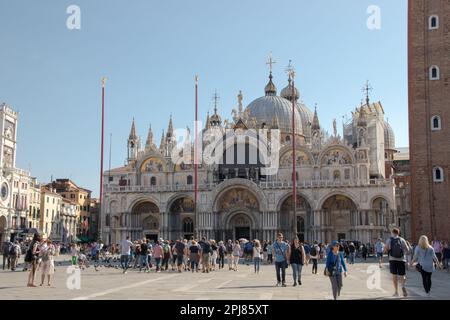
<point>262,184</point>
<point>325,183</point>
<point>160,188</point>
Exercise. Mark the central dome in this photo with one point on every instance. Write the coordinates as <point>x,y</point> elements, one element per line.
<point>266,108</point>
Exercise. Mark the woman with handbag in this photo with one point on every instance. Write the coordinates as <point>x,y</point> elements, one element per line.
<point>334,266</point>
<point>426,257</point>
<point>297,260</point>
<point>32,257</point>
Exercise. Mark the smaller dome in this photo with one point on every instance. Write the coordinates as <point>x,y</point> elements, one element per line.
<point>270,88</point>
<point>215,120</point>
<point>389,137</point>
<point>287,92</point>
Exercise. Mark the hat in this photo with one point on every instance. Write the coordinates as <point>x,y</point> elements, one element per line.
<point>334,243</point>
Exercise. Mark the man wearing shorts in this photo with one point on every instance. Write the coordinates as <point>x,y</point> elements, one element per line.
<point>379,250</point>
<point>397,248</point>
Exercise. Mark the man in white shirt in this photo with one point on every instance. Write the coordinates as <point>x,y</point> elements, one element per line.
<point>125,247</point>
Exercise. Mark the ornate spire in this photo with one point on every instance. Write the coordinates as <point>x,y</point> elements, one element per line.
<point>366,89</point>
<point>315,124</point>
<point>170,128</point>
<point>149,145</point>
<point>240,98</point>
<point>133,135</point>
<point>215,119</point>
<point>208,124</point>
<point>162,144</point>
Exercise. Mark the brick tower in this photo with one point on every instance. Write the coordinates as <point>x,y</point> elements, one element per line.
<point>429,116</point>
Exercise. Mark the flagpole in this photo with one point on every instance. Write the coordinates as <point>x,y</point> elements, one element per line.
<point>294,175</point>
<point>196,155</point>
<point>101,160</point>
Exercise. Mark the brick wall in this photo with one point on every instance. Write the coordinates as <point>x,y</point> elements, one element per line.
<point>430,200</point>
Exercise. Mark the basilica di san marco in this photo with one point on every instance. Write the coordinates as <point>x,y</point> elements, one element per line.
<point>342,181</point>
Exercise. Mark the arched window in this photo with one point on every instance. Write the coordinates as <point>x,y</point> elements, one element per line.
<point>434,73</point>
<point>436,123</point>
<point>288,139</point>
<point>153,181</point>
<point>433,22</point>
<point>188,225</point>
<point>189,179</point>
<point>107,220</point>
<point>438,174</point>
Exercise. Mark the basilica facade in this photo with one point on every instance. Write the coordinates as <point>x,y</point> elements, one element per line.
<point>343,189</point>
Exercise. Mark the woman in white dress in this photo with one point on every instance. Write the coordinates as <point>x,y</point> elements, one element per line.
<point>47,254</point>
<point>213,257</point>
<point>236,253</point>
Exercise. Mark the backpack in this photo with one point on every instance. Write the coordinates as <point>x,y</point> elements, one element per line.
<point>396,250</point>
<point>313,251</point>
<point>221,250</point>
<point>12,250</point>
<point>206,247</point>
<point>7,248</point>
<point>166,248</point>
<point>248,247</point>
<point>29,256</point>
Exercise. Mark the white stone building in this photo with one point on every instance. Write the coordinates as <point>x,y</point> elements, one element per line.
<point>342,190</point>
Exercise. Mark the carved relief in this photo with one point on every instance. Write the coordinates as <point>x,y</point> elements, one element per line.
<point>153,165</point>
<point>182,205</point>
<point>241,221</point>
<point>334,157</point>
<point>301,158</point>
<point>150,223</point>
<point>302,204</point>
<point>238,197</point>
<point>8,157</point>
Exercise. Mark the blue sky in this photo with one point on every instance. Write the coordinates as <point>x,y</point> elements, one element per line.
<point>150,51</point>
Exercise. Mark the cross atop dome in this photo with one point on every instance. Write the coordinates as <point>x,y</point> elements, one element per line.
<point>270,62</point>
<point>290,70</point>
<point>270,88</point>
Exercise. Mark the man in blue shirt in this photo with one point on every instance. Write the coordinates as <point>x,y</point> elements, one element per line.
<point>282,252</point>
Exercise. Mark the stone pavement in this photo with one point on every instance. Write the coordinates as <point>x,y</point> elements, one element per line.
<point>111,283</point>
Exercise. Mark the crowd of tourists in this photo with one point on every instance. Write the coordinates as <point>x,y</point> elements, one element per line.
<point>207,255</point>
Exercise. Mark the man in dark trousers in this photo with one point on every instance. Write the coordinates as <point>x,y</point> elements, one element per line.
<point>7,245</point>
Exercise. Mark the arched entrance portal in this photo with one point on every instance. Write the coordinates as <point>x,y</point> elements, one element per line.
<point>241,226</point>
<point>340,209</point>
<point>237,208</point>
<point>295,226</point>
<point>146,215</point>
<point>181,218</point>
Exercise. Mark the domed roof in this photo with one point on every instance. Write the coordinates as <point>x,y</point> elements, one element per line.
<point>287,92</point>
<point>307,117</point>
<point>270,89</point>
<point>389,137</point>
<point>266,108</point>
